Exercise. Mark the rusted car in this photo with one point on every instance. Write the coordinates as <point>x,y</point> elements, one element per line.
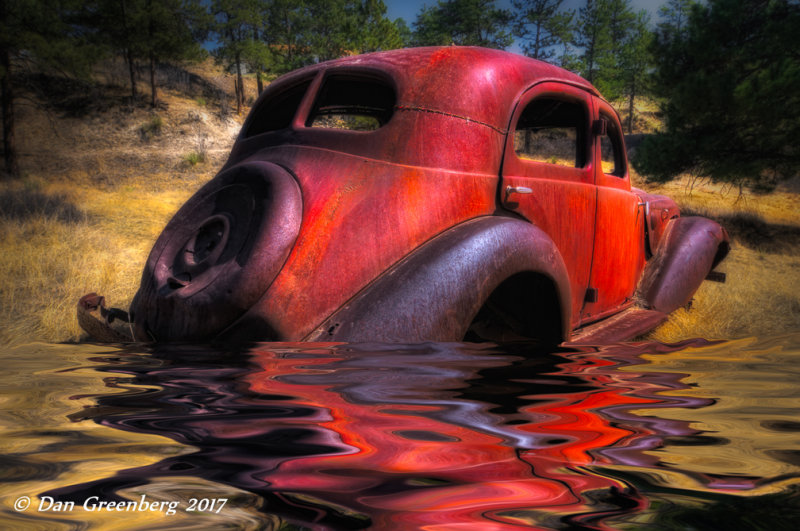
<point>443,194</point>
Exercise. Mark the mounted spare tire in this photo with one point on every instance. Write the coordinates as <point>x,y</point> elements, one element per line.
<point>218,254</point>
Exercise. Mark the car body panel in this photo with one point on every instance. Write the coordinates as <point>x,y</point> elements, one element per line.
<point>619,255</point>
<point>351,232</point>
<point>562,200</point>
<point>451,276</point>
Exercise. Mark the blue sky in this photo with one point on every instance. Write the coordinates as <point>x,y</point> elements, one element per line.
<point>408,9</point>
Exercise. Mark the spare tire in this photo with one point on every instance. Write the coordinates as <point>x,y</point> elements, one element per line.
<point>218,254</point>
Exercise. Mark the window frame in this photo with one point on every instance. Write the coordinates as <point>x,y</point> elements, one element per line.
<point>579,155</point>
<point>619,179</point>
<point>514,165</point>
<point>615,136</point>
<point>320,87</point>
<point>275,95</point>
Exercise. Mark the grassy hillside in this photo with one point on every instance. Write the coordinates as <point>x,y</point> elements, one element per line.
<point>102,178</point>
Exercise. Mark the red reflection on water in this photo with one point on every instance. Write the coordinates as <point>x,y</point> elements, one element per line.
<point>455,470</point>
<point>439,436</point>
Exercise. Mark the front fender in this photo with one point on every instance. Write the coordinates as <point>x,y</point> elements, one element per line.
<point>434,293</point>
<point>691,247</point>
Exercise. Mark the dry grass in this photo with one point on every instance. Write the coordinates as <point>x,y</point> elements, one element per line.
<point>64,239</point>
<point>759,298</point>
<point>762,292</point>
<point>97,191</point>
<point>646,114</point>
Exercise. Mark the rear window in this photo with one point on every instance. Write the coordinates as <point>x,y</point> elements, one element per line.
<point>353,102</point>
<point>277,112</point>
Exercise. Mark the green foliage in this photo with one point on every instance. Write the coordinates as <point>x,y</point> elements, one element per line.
<point>150,31</point>
<point>375,32</point>
<point>333,25</point>
<point>603,32</point>
<point>289,25</point>
<point>151,128</point>
<point>729,80</point>
<point>543,26</point>
<point>301,32</point>
<point>616,55</point>
<point>404,32</point>
<point>237,26</point>
<point>464,23</point>
<point>194,158</point>
<point>47,35</point>
<point>51,33</point>
<point>635,62</point>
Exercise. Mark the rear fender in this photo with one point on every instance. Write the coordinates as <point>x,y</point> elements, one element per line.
<point>689,249</point>
<point>434,293</point>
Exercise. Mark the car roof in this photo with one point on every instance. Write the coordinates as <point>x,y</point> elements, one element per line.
<point>466,81</point>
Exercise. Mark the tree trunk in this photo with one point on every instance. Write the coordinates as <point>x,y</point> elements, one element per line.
<point>151,34</point>
<point>129,54</point>
<point>132,72</point>
<point>236,95</point>
<point>239,86</point>
<point>153,95</point>
<point>630,107</point>
<point>9,143</point>
<point>259,81</point>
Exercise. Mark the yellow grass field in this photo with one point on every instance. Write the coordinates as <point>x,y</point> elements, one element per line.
<point>762,293</point>
<point>99,189</point>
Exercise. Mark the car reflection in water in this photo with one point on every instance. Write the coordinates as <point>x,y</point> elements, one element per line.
<point>390,437</point>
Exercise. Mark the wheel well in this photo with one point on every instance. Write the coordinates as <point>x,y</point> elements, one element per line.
<point>525,306</point>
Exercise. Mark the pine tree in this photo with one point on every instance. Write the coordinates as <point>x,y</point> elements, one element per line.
<point>236,26</point>
<point>465,23</point>
<point>540,25</point>
<point>635,62</point>
<point>591,36</point>
<point>730,84</point>
<point>374,31</point>
<point>174,30</point>
<point>286,34</point>
<point>51,35</point>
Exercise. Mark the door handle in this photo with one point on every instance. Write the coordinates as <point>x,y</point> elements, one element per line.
<point>517,189</point>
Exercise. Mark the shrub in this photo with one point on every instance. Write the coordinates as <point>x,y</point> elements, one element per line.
<point>194,158</point>
<point>151,128</point>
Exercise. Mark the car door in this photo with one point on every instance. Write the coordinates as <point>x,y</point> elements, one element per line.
<point>548,175</point>
<point>618,257</point>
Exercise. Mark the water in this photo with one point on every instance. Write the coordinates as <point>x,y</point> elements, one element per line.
<point>696,435</point>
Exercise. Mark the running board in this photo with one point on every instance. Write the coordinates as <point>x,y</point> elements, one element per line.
<point>621,327</point>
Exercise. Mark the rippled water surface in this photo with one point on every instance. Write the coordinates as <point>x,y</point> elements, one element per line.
<point>701,435</point>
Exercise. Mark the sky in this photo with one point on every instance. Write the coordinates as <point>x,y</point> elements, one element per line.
<point>408,9</point>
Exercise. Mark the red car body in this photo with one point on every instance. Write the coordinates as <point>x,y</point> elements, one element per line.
<point>424,194</point>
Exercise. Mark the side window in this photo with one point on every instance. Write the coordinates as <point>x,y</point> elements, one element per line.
<point>352,102</point>
<point>552,130</point>
<point>277,112</point>
<point>611,149</point>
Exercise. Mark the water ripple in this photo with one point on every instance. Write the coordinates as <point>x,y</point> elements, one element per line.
<point>434,436</point>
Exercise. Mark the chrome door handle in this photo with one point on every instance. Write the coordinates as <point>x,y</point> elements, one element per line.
<point>518,189</point>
